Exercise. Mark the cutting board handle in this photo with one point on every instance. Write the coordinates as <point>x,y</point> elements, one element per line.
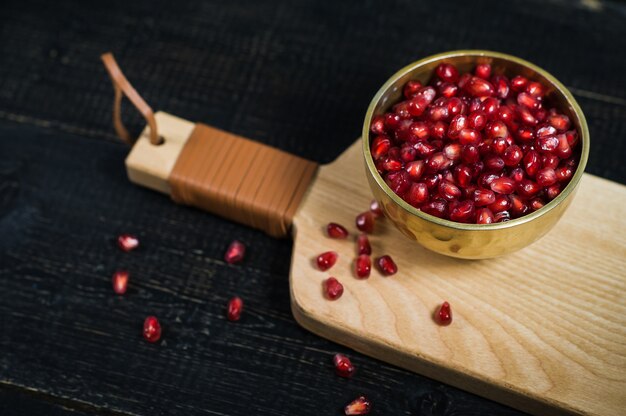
<point>219,172</point>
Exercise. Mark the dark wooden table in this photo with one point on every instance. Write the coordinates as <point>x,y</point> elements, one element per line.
<point>296,76</point>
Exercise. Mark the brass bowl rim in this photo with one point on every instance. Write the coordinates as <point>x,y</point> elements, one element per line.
<point>584,140</point>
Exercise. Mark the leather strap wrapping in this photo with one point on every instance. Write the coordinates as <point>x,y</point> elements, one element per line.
<point>239,179</point>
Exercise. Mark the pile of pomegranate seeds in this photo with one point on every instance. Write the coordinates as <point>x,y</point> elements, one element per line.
<point>474,148</point>
<point>443,314</point>
<point>359,406</point>
<point>235,252</point>
<point>333,288</point>
<point>343,366</point>
<point>235,307</point>
<point>127,242</point>
<point>151,329</point>
<point>120,281</point>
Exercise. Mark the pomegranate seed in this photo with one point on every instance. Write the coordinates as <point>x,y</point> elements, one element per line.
<point>327,260</point>
<point>553,190</point>
<point>484,197</point>
<point>443,314</point>
<point>550,161</point>
<point>336,231</point>
<point>502,203</point>
<point>470,154</point>
<point>458,123</point>
<point>448,90</point>
<point>519,83</point>
<point>526,116</point>
<point>477,120</point>
<point>528,188</point>
<point>392,121</point>
<point>424,149</point>
<point>484,216</point>
<point>127,242</point>
<point>453,151</point>
<point>536,204</point>
<point>437,208</point>
<point>398,182</point>
<point>478,87</point>
<point>365,222</point>
<point>502,216</point>
<point>528,101</point>
<point>518,206</point>
<point>380,147</point>
<point>447,72</point>
<point>501,83</point>
<point>547,144</point>
<point>535,89</point>
<point>363,266</point>
<point>532,163</point>
<point>359,406</point>
<point>333,288</point>
<point>512,155</point>
<point>407,153</point>
<point>546,177</point>
<point>564,173</point>
<point>235,252</point>
<point>378,125</point>
<point>490,107</point>
<point>363,244</point>
<point>417,194</point>
<point>387,265</point>
<point>455,106</point>
<point>234,309</point>
<point>438,130</point>
<point>463,175</point>
<point>506,114</point>
<point>415,169</point>
<point>411,88</point>
<point>343,366</point>
<point>432,180</point>
<point>151,329</point>
<point>376,209</point>
<point>120,281</point>
<point>525,134</point>
<point>503,185</point>
<point>469,136</point>
<point>449,191</point>
<point>483,71</point>
<point>494,163</point>
<point>463,212</point>
<point>572,137</point>
<point>563,150</point>
<point>464,79</point>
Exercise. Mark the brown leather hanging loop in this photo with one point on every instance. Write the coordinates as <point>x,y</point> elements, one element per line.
<point>123,87</point>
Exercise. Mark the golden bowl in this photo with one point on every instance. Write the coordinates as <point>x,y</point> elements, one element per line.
<point>473,241</point>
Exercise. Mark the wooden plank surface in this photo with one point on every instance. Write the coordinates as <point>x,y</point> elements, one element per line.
<point>543,329</point>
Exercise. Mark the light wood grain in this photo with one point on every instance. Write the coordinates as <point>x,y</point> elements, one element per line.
<point>543,330</point>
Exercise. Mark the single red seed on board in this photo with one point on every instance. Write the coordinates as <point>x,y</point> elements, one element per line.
<point>234,309</point>
<point>151,329</point>
<point>127,242</point>
<point>365,222</point>
<point>387,266</point>
<point>327,260</point>
<point>343,366</point>
<point>335,230</point>
<point>359,406</point>
<point>120,281</point>
<point>443,314</point>
<point>333,288</point>
<point>235,252</point>
<point>376,209</point>
<point>363,244</point>
<point>363,266</point>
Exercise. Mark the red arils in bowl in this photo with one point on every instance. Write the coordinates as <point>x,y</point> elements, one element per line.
<point>474,147</point>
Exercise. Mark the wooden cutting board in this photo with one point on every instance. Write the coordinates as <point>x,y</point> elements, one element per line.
<point>542,330</point>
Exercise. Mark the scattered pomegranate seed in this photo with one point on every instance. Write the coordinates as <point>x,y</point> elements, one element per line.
<point>363,266</point>
<point>443,314</point>
<point>387,266</point>
<point>359,406</point>
<point>327,260</point>
<point>450,147</point>
<point>333,288</point>
<point>151,329</point>
<point>336,231</point>
<point>363,244</point>
<point>120,281</point>
<point>234,309</point>
<point>365,222</point>
<point>235,252</point>
<point>376,209</point>
<point>343,366</point>
<point>127,242</point>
